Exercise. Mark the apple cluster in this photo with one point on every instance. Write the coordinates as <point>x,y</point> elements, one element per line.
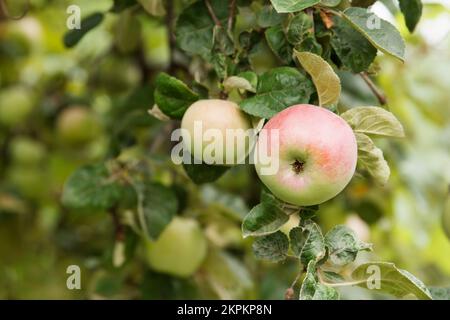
<point>316,149</point>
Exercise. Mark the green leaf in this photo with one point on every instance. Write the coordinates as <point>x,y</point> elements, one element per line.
<point>327,82</point>
<point>330,3</point>
<point>308,287</point>
<point>153,7</point>
<point>383,35</point>
<point>194,28</point>
<point>120,5</point>
<point>307,242</point>
<point>412,11</point>
<point>158,205</point>
<point>276,39</point>
<point>278,89</point>
<point>263,219</point>
<point>292,5</point>
<point>371,158</point>
<point>324,292</point>
<point>273,247</point>
<point>91,187</point>
<point>343,245</point>
<point>332,277</point>
<point>310,44</point>
<point>440,293</point>
<point>363,3</point>
<point>386,277</point>
<point>300,27</point>
<point>128,32</point>
<point>353,49</point>
<point>228,276</point>
<point>222,41</point>
<point>373,121</point>
<point>72,37</point>
<point>312,289</point>
<point>230,204</point>
<point>202,172</point>
<point>172,96</point>
<point>308,212</point>
<point>268,17</point>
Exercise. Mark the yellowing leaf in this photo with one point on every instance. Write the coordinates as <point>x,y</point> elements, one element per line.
<point>327,82</point>
<point>373,120</point>
<point>235,82</point>
<point>153,7</point>
<point>371,158</point>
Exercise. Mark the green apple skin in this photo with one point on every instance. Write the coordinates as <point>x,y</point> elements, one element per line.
<point>446,216</point>
<point>16,105</point>
<point>117,75</point>
<point>220,115</point>
<point>317,155</point>
<point>27,151</point>
<point>77,125</point>
<point>179,250</point>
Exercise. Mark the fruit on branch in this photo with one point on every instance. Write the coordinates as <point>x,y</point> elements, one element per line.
<point>116,75</point>
<point>179,250</point>
<point>16,104</point>
<point>77,125</point>
<point>317,154</point>
<point>217,132</point>
<point>26,151</point>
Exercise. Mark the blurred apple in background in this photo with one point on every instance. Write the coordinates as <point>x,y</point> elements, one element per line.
<point>179,250</point>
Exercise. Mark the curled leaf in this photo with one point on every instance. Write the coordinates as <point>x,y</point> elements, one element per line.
<point>327,82</point>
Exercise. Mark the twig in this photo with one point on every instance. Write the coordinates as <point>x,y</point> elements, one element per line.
<point>170,31</point>
<point>212,14</point>
<point>310,12</point>
<point>375,90</point>
<point>5,12</point>
<point>162,136</point>
<point>289,294</point>
<point>119,230</point>
<point>232,13</point>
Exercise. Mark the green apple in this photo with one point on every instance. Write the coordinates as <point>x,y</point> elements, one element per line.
<point>117,75</point>
<point>446,216</point>
<point>77,125</point>
<point>16,105</point>
<point>312,151</point>
<point>217,132</point>
<point>30,181</point>
<point>26,151</point>
<point>179,250</point>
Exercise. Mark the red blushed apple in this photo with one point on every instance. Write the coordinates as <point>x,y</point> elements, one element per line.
<point>317,154</point>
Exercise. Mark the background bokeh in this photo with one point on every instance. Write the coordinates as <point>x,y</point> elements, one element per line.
<point>43,85</point>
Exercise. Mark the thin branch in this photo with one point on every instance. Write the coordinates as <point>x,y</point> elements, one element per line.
<point>297,278</point>
<point>289,293</point>
<point>162,136</point>
<point>170,30</point>
<point>119,230</point>
<point>232,13</point>
<point>212,14</point>
<point>375,90</point>
<point>4,10</point>
<point>310,12</point>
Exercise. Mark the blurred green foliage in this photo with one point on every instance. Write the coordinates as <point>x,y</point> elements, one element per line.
<point>62,108</point>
